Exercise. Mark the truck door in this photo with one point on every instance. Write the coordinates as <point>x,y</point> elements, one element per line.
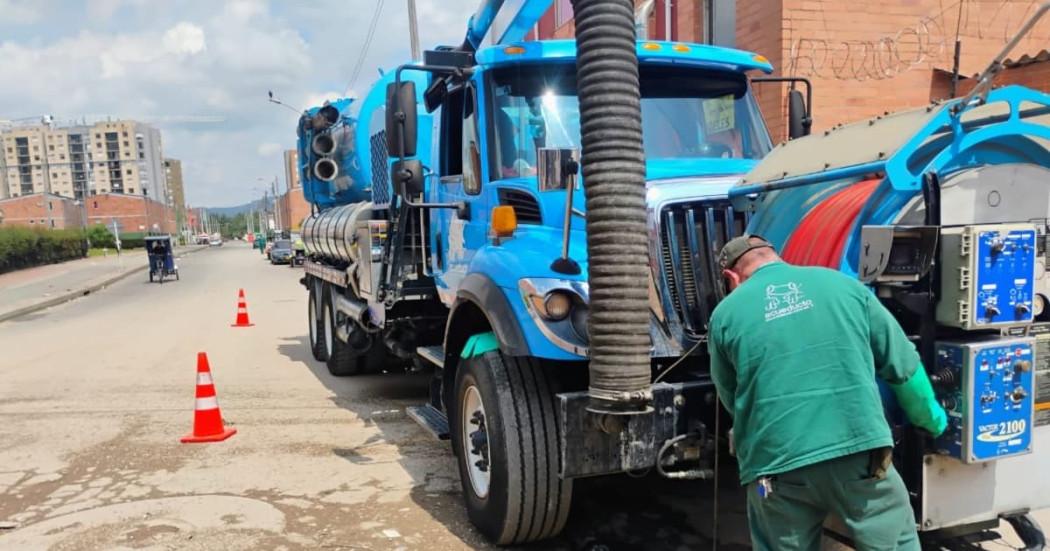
<point>459,177</point>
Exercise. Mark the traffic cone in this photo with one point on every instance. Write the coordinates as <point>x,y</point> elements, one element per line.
<point>207,419</point>
<point>242,312</point>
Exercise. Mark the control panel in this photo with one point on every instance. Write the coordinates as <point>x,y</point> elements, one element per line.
<point>987,389</point>
<point>987,276</point>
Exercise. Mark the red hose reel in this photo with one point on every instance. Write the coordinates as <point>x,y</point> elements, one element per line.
<point>821,236</point>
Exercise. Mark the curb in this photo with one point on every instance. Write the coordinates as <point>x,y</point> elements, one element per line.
<point>73,295</point>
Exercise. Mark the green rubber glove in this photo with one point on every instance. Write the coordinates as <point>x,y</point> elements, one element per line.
<point>915,396</point>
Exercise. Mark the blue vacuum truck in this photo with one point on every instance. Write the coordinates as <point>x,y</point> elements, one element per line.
<point>536,223</point>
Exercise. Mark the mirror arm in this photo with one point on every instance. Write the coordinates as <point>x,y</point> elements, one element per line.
<point>564,264</point>
<point>807,120</point>
<point>462,208</point>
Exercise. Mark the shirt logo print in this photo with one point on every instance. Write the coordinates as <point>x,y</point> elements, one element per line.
<point>784,300</point>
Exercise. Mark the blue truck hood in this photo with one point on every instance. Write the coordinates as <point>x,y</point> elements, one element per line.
<point>662,169</point>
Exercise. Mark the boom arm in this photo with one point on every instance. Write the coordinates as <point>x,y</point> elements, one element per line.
<point>507,20</point>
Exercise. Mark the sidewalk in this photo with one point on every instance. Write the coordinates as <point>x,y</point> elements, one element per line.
<point>33,289</point>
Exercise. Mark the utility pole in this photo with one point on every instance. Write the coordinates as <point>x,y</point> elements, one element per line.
<point>413,31</point>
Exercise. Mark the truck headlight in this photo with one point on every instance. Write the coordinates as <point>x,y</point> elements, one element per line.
<point>559,308</point>
<point>558,305</point>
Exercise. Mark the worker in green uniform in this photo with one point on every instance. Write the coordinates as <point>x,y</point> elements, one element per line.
<point>795,352</point>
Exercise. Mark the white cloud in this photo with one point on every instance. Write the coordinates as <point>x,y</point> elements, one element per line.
<point>269,149</point>
<point>313,100</point>
<point>16,12</point>
<point>187,64</point>
<point>184,38</point>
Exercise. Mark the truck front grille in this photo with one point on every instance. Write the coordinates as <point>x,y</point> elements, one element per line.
<point>691,235</point>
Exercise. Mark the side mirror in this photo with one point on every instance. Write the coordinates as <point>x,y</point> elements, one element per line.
<point>799,122</point>
<point>407,177</point>
<point>401,119</point>
<point>554,167</point>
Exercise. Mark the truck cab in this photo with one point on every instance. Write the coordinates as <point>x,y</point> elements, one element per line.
<point>701,130</point>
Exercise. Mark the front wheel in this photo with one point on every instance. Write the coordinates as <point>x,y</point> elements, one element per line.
<point>506,437</point>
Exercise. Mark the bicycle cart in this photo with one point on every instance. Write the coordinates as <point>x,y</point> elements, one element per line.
<point>161,259</point>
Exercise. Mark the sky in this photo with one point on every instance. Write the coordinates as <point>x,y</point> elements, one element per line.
<point>199,70</point>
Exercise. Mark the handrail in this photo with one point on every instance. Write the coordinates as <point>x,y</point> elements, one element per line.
<point>984,81</point>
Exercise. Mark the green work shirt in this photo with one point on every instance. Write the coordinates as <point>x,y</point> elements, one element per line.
<point>794,355</point>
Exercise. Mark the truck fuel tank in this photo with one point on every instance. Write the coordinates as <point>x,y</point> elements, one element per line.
<point>330,233</point>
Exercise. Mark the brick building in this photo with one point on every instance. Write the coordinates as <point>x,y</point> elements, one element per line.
<point>292,205</point>
<point>863,58</point>
<point>41,210</point>
<point>132,213</point>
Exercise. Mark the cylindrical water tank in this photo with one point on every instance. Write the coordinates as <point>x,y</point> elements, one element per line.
<point>330,234</point>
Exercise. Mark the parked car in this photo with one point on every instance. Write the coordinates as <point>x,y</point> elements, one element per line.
<point>281,251</point>
<point>215,241</point>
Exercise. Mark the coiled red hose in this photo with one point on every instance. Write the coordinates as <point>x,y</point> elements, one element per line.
<point>821,236</point>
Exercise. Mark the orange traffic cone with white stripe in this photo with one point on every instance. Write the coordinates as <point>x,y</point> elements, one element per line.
<point>207,419</point>
<point>242,312</point>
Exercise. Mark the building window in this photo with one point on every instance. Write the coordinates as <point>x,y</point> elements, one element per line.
<point>129,171</point>
<point>562,12</point>
<point>32,221</point>
<point>50,148</point>
<point>131,190</point>
<point>126,144</point>
<point>125,133</point>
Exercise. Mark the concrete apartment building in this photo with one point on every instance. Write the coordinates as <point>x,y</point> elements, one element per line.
<point>863,58</point>
<point>176,190</point>
<point>45,159</point>
<point>81,160</point>
<point>291,169</point>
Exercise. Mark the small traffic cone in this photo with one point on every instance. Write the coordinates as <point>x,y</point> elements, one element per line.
<point>242,312</point>
<point>207,419</point>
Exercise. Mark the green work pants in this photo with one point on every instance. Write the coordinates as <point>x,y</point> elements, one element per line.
<point>876,510</point>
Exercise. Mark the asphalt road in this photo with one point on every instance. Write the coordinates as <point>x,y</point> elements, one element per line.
<point>97,392</point>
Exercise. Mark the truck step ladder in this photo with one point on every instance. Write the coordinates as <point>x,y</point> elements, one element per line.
<point>430,419</point>
<point>432,354</point>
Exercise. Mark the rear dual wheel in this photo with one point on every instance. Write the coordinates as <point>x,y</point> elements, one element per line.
<point>359,355</point>
<point>318,346</point>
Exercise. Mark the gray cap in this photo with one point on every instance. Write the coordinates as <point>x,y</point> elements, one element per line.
<point>739,246</point>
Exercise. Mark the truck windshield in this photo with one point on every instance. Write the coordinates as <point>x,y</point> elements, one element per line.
<point>686,113</point>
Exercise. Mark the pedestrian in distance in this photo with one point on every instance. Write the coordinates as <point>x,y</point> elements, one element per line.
<point>795,353</point>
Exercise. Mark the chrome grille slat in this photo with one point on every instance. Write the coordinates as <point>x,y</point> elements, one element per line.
<point>678,269</point>
<point>691,235</point>
<point>703,307</point>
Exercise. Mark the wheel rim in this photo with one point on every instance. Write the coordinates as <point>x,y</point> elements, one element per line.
<point>328,330</point>
<point>474,429</point>
<point>312,320</point>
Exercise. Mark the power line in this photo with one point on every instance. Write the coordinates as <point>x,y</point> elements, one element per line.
<point>364,48</point>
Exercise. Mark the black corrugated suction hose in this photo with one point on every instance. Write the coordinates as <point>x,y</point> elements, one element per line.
<point>613,166</point>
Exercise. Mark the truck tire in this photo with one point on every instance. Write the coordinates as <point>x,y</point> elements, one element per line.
<point>505,434</point>
<point>315,325</point>
<point>357,357</point>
